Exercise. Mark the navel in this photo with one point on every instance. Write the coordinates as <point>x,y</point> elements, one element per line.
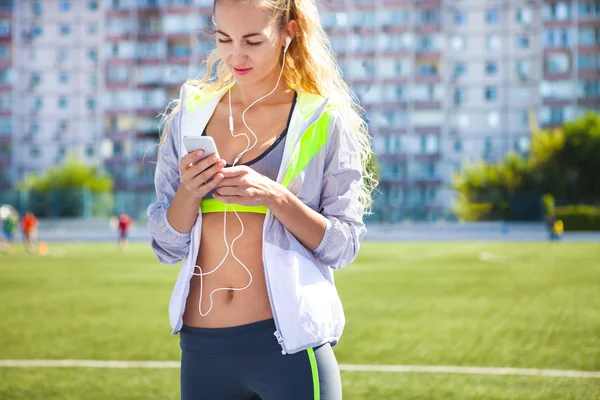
<point>230,294</point>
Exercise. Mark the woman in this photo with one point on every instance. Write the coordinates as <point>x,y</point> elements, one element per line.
<point>258,313</point>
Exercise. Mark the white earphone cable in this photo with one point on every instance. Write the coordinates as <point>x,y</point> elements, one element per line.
<point>248,148</point>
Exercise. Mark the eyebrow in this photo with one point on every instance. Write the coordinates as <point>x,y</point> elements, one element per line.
<point>243,37</point>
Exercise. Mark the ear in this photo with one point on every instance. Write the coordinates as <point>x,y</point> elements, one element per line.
<point>290,30</point>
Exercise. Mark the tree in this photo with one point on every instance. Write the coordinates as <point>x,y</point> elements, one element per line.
<point>68,190</point>
<point>562,162</point>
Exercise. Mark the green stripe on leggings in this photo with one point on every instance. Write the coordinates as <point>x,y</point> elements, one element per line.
<point>315,373</point>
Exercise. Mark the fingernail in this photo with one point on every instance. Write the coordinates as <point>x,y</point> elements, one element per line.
<point>200,152</point>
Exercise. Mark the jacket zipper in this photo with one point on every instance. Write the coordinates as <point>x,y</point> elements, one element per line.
<point>277,332</point>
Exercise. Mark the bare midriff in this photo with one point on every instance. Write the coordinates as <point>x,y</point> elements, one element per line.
<point>230,307</point>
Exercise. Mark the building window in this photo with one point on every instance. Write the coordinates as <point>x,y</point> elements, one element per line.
<point>5,101</point>
<point>460,68</point>
<point>589,36</point>
<point>37,104</point>
<point>459,96</point>
<point>493,119</point>
<point>457,145</point>
<point>491,93</point>
<point>560,11</point>
<point>63,102</point>
<point>524,16</point>
<point>64,5</point>
<point>35,79</point>
<point>93,5</point>
<point>89,151</point>
<point>523,144</point>
<point>589,89</point>
<point>558,63</point>
<point>558,38</point>
<point>488,146</point>
<point>522,42</point>
<point>37,8</point>
<point>524,118</point>
<point>492,16</point>
<point>428,69</point>
<point>523,69</point>
<point>64,55</point>
<point>64,78</point>
<point>459,43</point>
<point>34,128</point>
<point>92,29</point>
<point>93,54</point>
<point>65,30</point>
<point>589,62</point>
<point>36,31</point>
<point>491,68</point>
<point>35,152</point>
<point>460,18</point>
<point>589,9</point>
<point>492,42</point>
<point>429,16</point>
<point>5,52</point>
<point>91,104</point>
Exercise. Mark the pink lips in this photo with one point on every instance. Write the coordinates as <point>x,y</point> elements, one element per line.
<point>241,71</point>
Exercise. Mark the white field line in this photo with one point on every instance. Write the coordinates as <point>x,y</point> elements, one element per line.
<point>343,367</point>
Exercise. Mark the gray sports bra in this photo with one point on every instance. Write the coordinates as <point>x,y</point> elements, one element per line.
<point>269,161</point>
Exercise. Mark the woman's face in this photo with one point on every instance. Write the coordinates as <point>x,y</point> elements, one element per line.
<point>248,42</point>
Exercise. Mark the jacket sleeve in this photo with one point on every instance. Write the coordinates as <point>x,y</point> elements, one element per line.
<point>340,203</point>
<point>169,245</point>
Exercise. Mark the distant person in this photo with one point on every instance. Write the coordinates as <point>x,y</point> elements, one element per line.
<point>558,229</point>
<point>29,225</point>
<point>555,227</point>
<point>9,225</point>
<point>125,223</point>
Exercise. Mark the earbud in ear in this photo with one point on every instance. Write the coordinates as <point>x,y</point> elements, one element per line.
<point>288,40</point>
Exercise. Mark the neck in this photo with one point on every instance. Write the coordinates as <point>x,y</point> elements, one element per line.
<point>245,95</point>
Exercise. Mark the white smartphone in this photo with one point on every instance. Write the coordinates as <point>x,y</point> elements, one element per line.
<point>206,143</point>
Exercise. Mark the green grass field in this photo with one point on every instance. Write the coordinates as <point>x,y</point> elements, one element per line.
<point>533,305</point>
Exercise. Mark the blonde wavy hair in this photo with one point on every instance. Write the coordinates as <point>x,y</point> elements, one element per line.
<point>310,66</point>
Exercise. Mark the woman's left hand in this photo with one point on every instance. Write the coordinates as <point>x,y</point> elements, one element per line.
<point>242,185</point>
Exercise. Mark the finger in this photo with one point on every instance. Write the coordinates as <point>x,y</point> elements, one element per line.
<point>200,166</point>
<point>209,173</point>
<point>235,181</point>
<point>231,172</point>
<point>205,188</point>
<point>212,184</point>
<point>229,191</point>
<point>190,158</point>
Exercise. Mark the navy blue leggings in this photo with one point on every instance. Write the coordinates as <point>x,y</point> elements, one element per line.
<point>245,362</point>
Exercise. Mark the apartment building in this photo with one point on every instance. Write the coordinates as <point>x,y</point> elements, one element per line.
<point>56,86</point>
<point>571,60</point>
<point>6,95</point>
<point>151,48</point>
<point>442,82</point>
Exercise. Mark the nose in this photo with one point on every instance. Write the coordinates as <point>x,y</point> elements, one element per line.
<point>237,56</point>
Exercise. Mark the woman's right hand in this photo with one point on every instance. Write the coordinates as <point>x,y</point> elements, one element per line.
<point>195,176</point>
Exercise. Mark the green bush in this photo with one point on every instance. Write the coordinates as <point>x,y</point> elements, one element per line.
<point>579,218</point>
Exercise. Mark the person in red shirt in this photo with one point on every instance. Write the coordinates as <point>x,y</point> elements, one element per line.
<point>125,223</point>
<point>29,225</point>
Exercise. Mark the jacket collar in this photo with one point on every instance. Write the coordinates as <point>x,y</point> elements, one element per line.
<point>195,102</point>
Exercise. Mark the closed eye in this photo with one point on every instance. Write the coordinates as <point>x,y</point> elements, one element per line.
<point>249,43</point>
